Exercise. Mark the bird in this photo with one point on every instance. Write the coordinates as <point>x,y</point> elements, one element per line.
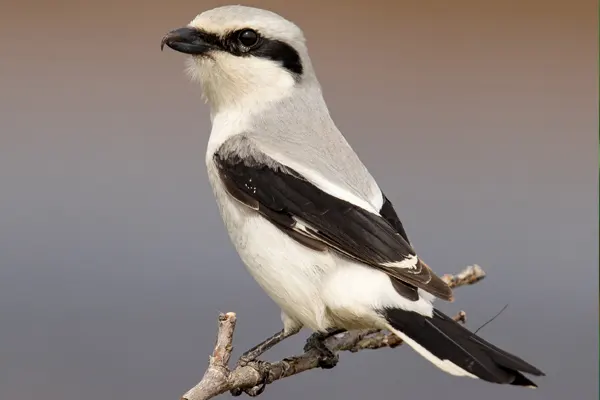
<point>306,217</point>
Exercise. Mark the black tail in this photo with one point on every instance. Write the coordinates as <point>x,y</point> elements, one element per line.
<point>446,339</point>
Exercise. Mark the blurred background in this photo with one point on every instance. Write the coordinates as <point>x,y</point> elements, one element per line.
<point>478,119</point>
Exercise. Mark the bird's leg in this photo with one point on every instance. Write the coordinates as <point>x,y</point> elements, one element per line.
<point>316,341</point>
<point>263,346</point>
<point>263,368</point>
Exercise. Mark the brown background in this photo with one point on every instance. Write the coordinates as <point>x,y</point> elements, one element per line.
<point>478,118</point>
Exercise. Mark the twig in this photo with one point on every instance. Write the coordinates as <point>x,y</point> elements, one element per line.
<point>468,276</point>
<point>219,379</point>
<point>217,372</point>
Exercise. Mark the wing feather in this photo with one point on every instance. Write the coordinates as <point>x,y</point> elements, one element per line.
<point>322,221</point>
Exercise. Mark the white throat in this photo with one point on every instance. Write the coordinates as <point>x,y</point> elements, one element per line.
<point>238,90</point>
<point>240,84</point>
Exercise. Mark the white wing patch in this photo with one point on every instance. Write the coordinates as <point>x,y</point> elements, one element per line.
<point>409,262</point>
<point>302,227</point>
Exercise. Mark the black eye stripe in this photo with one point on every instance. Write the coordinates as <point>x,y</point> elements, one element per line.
<point>280,51</point>
<point>210,38</point>
<point>271,49</point>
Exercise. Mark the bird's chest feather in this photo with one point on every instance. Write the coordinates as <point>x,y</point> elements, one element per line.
<point>288,272</point>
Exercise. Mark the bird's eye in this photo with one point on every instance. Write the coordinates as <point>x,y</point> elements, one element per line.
<point>248,37</point>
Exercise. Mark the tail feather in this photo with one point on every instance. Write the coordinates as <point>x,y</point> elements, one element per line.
<point>456,350</point>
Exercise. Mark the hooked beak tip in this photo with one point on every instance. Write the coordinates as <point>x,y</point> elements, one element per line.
<point>186,40</point>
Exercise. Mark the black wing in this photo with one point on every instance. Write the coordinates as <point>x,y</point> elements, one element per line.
<point>322,221</point>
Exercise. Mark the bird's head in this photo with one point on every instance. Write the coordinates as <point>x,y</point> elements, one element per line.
<point>242,54</point>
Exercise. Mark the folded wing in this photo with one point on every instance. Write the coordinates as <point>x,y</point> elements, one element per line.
<point>322,221</point>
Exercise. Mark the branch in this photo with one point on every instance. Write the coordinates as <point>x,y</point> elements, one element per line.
<point>219,379</point>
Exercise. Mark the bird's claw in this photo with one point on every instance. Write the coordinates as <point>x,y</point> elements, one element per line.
<point>243,361</point>
<point>263,369</point>
<point>328,361</point>
<point>326,358</point>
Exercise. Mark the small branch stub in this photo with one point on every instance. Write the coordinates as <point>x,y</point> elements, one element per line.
<point>218,378</point>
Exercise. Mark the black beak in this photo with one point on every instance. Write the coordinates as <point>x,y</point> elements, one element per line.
<point>186,40</point>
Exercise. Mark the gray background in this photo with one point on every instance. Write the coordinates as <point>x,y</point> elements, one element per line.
<point>479,120</point>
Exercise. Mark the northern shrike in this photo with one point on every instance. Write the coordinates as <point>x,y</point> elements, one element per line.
<point>306,217</point>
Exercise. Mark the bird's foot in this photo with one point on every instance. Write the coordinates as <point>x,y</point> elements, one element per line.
<point>263,368</point>
<point>244,360</point>
<point>327,358</point>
